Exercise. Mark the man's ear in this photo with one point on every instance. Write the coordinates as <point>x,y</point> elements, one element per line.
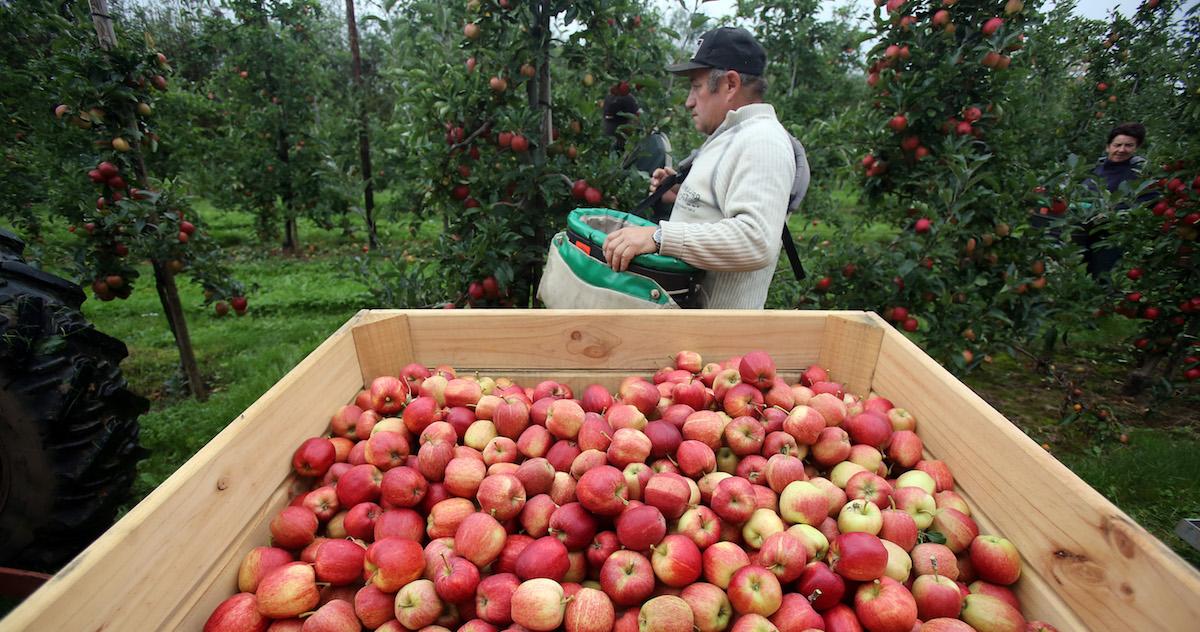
<point>733,80</point>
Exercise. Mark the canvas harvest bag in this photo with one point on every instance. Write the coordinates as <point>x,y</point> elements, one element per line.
<point>576,275</point>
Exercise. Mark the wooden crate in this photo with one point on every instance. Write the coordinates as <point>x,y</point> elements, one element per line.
<point>174,557</point>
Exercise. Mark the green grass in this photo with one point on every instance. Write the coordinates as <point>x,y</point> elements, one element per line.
<point>298,303</point>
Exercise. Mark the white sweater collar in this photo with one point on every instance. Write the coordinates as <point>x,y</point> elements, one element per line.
<point>743,114</point>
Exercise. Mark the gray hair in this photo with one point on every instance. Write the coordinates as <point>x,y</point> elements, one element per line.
<point>756,84</point>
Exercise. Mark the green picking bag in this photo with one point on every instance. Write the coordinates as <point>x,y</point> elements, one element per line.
<point>577,276</point>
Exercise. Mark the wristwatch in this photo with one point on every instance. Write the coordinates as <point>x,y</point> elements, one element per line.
<point>657,239</point>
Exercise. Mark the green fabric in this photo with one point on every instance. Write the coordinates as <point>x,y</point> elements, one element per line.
<point>596,273</point>
<point>575,220</point>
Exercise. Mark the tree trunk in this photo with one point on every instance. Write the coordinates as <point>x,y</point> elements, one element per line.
<point>164,280</point>
<point>364,142</point>
<point>291,234</point>
<point>168,295</point>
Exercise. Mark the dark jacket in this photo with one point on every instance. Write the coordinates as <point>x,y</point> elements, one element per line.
<point>1115,173</point>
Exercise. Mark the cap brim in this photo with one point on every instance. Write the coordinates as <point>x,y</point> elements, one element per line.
<point>686,66</point>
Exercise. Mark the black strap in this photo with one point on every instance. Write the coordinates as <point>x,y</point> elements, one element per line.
<point>789,246</point>
<point>666,185</point>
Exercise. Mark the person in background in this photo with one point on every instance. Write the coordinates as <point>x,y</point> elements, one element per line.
<point>729,213</point>
<point>1120,163</point>
<point>650,154</point>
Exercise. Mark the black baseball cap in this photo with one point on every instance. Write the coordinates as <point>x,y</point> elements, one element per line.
<point>727,48</point>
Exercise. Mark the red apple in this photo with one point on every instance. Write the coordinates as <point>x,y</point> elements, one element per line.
<point>755,590</point>
<point>403,487</point>
<point>986,613</point>
<point>669,493</point>
<point>936,596</point>
<point>373,606</point>
<point>733,500</point>
<point>294,527</point>
<point>804,503</point>
<point>869,428</point>
<point>339,562</point>
<point>257,563</point>
<point>783,554</point>
<point>479,538</point>
<point>701,525</point>
<point>796,614</point>
<point>417,604</point>
<point>314,457</point>
<point>676,561</point>
<point>589,610</point>
<point>288,591</point>
<point>930,558</point>
<point>501,495</point>
<point>362,483</point>
<point>666,613</point>
<point>539,605</point>
<point>641,527</point>
<point>603,491</point>
<point>721,561</point>
<point>335,615</point>
<point>546,557</point>
<point>958,528</point>
<point>820,585</point>
<point>493,598</point>
<point>995,560</point>
<point>627,577</point>
<point>238,613</point>
<point>391,563</point>
<point>858,556</point>
<point>388,394</point>
<point>898,527</point>
<point>455,579</point>
<point>885,605</point>
<point>573,525</point>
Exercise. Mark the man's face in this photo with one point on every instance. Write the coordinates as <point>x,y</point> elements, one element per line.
<point>1122,148</point>
<point>708,108</point>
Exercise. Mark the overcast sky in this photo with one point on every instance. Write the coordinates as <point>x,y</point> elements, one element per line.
<point>1089,8</point>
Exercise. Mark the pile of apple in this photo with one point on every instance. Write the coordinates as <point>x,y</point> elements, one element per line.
<point>710,497</point>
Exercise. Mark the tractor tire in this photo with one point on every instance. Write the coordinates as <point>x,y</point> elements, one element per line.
<point>68,423</point>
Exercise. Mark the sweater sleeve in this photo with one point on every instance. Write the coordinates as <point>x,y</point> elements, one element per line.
<point>752,185</point>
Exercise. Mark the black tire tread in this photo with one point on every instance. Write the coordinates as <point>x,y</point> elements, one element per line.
<point>68,421</point>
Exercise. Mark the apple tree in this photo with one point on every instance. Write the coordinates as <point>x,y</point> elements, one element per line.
<point>106,88</point>
<point>277,66</point>
<point>506,136</point>
<point>944,248</point>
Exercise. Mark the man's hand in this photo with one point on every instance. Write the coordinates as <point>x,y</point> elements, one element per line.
<point>621,246</point>
<point>657,178</point>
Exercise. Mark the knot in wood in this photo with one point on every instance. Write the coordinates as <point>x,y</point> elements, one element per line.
<point>592,344</point>
<point>1116,531</point>
<point>222,484</point>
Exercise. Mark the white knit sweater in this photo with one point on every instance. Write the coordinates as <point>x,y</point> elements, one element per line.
<point>730,211</point>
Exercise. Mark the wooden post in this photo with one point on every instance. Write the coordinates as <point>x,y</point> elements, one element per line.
<point>364,142</point>
<point>103,24</point>
<point>164,279</point>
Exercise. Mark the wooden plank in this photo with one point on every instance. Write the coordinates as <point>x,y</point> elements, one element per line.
<point>384,347</point>
<point>632,341</point>
<point>1087,565</point>
<point>850,348</point>
<point>168,562</point>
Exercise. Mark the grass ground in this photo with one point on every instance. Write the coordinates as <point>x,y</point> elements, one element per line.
<point>302,299</point>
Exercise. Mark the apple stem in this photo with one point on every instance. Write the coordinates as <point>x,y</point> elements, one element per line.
<point>816,594</point>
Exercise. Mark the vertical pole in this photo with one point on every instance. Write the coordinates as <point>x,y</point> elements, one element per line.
<point>364,143</point>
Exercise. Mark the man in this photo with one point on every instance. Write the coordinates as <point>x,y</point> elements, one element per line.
<point>729,213</point>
